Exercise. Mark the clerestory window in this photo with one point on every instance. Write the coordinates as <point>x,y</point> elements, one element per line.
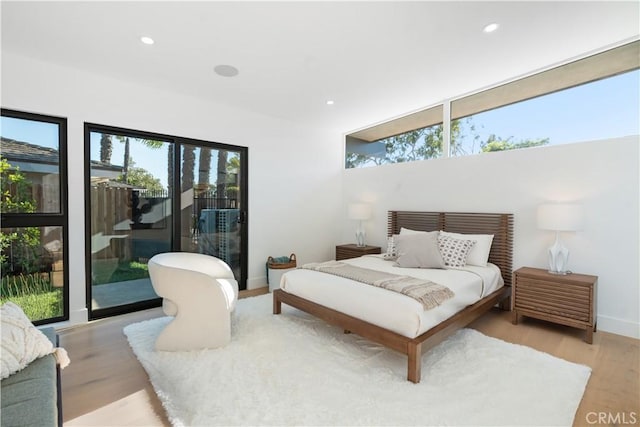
<point>594,98</point>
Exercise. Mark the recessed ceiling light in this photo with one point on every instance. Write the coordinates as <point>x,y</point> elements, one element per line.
<point>226,70</point>
<point>146,40</point>
<point>330,102</point>
<point>490,28</point>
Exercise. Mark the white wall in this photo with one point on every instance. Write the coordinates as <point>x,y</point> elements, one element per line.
<point>298,191</point>
<point>294,173</point>
<point>602,175</point>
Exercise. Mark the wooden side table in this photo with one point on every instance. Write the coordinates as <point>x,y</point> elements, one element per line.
<point>568,300</point>
<point>354,251</point>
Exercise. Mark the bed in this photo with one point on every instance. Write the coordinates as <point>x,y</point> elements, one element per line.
<point>397,321</point>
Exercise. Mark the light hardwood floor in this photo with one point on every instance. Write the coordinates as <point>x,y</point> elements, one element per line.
<point>105,385</point>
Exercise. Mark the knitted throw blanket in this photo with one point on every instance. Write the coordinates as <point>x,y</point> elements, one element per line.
<point>426,292</point>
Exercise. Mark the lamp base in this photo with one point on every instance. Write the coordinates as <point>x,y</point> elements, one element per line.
<point>559,273</point>
<point>361,235</point>
<point>558,258</point>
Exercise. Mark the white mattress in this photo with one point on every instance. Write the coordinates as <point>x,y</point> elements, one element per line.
<point>390,310</point>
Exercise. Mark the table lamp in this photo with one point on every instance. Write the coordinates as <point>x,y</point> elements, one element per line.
<point>360,212</point>
<point>559,217</point>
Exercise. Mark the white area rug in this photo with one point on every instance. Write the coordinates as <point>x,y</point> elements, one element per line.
<point>292,369</point>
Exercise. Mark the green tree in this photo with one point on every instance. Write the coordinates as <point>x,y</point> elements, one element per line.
<point>151,143</point>
<point>188,164</point>
<point>140,177</point>
<point>233,165</point>
<point>494,143</point>
<point>16,190</point>
<point>418,144</point>
<point>204,166</point>
<point>106,148</point>
<point>170,169</point>
<point>221,180</point>
<point>426,143</point>
<point>20,248</point>
<point>461,129</point>
<point>414,145</point>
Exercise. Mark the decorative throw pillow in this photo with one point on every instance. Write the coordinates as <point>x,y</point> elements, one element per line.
<point>391,253</point>
<point>454,251</point>
<point>479,253</point>
<point>22,343</point>
<point>419,250</point>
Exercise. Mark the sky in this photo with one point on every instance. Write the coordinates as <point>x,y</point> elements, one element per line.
<point>604,109</point>
<point>153,160</point>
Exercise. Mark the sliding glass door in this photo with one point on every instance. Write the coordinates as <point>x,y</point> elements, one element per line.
<point>130,214</point>
<point>211,208</point>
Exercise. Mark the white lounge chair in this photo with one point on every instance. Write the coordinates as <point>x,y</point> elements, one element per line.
<point>200,292</point>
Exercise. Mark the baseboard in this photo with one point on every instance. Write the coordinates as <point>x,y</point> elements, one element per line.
<point>79,316</point>
<point>258,282</point>
<point>76,317</point>
<point>619,326</point>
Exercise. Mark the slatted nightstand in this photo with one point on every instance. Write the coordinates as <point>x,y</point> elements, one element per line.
<point>354,251</point>
<point>568,300</point>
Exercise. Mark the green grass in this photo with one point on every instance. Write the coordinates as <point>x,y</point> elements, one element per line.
<point>130,270</point>
<point>40,300</point>
<point>39,306</point>
<point>34,294</point>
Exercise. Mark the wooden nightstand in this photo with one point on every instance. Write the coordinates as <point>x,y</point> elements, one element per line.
<point>568,300</point>
<point>354,251</point>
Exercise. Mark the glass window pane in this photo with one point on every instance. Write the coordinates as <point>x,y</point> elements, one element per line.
<point>31,165</point>
<point>33,270</point>
<point>210,204</point>
<point>130,215</point>
<point>603,109</point>
<point>420,144</point>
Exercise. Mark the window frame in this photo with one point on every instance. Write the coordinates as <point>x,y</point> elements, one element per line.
<point>578,72</point>
<point>178,143</point>
<point>49,219</point>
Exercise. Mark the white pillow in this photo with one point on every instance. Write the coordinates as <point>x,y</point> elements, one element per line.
<point>410,231</point>
<point>455,251</point>
<point>479,253</point>
<point>22,343</point>
<point>419,250</point>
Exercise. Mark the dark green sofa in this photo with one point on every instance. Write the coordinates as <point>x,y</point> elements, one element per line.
<point>31,397</point>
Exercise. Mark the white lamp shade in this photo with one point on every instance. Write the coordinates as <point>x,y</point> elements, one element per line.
<point>560,217</point>
<point>359,211</point>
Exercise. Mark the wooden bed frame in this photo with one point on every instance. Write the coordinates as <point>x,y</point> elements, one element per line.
<point>500,225</point>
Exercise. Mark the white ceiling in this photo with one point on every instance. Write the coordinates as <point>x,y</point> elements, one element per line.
<point>376,60</point>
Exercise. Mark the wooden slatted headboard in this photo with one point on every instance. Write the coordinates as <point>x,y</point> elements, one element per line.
<point>500,225</point>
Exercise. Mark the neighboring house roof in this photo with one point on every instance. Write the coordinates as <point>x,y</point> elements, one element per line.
<point>24,152</point>
<point>98,165</point>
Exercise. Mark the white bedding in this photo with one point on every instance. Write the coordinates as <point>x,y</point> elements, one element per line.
<point>390,310</point>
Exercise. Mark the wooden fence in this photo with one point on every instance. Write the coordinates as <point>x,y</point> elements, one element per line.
<point>113,213</point>
<point>111,217</point>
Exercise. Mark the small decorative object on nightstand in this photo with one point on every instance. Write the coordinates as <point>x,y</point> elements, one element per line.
<point>360,212</point>
<point>559,217</point>
<point>568,300</point>
<point>354,251</point>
